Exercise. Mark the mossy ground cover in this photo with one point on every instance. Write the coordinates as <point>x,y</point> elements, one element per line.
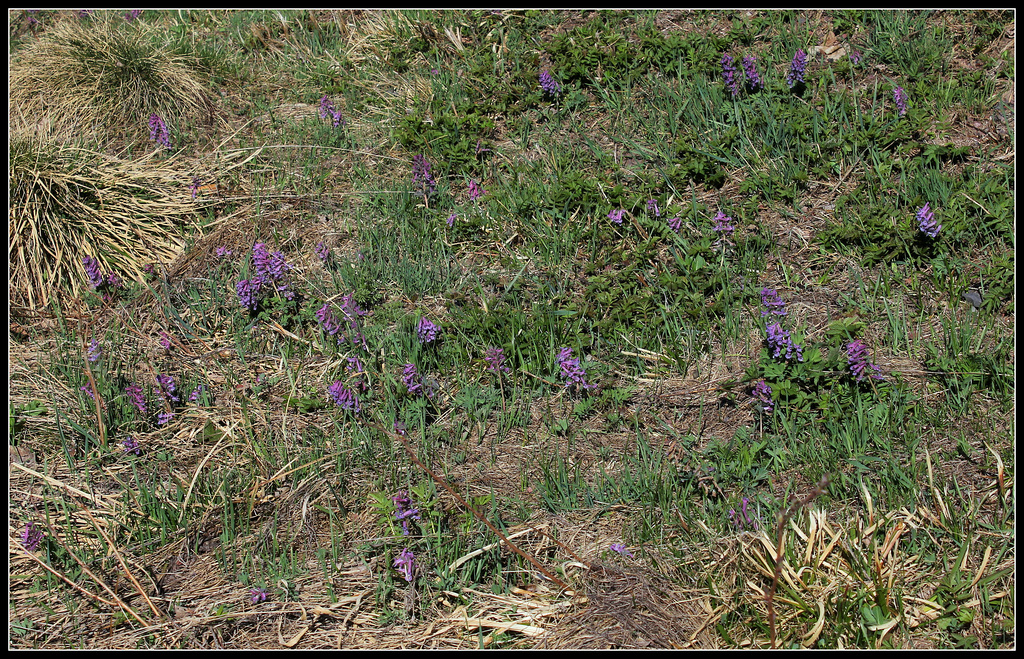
<point>512,329</point>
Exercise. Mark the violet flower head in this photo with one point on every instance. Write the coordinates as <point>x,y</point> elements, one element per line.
<point>344,398</point>
<point>327,110</point>
<point>548,84</point>
<point>31,537</point>
<point>421,177</point>
<point>652,207</point>
<point>135,395</point>
<point>926,222</point>
<point>743,519</point>
<point>775,306</point>
<point>167,387</point>
<point>248,292</point>
<point>92,271</point>
<point>900,97</point>
<point>95,351</point>
<point>132,14</point>
<point>763,393</point>
<point>855,56</point>
<point>411,379</point>
<point>258,595</point>
<point>158,131</point>
<point>323,252</point>
<point>270,266</point>
<point>495,358</point>
<point>426,331</point>
<point>723,225</point>
<point>194,396</point>
<point>131,445</point>
<point>616,215</point>
<point>732,83</point>
<point>223,252</point>
<point>857,357</point>
<point>750,71</point>
<point>475,190</point>
<point>165,340</point>
<point>779,340</point>
<point>404,510</point>
<point>399,428</point>
<point>571,371</point>
<point>164,417</point>
<point>87,390</point>
<point>676,224</point>
<point>620,548</point>
<point>405,563</point>
<point>797,68</point>
<point>329,322</point>
<point>194,186</point>
<point>357,373</point>
<point>451,220</point>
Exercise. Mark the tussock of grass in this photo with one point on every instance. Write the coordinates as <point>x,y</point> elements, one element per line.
<point>89,80</point>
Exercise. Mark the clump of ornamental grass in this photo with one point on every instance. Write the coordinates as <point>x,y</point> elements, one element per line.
<point>98,80</point>
<point>67,202</point>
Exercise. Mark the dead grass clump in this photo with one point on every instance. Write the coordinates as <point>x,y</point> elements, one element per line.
<point>98,81</point>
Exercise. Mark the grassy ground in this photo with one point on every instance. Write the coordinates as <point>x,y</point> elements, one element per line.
<point>512,329</point>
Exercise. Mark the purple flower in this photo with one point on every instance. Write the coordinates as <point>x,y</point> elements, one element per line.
<point>763,393</point>
<point>87,390</point>
<point>327,109</point>
<point>676,224</point>
<point>405,563</point>
<point>132,14</point>
<point>351,312</point>
<point>652,207</point>
<point>421,177</point>
<point>723,225</point>
<point>495,358</point>
<point>620,548</point>
<point>113,280</point>
<point>855,56</point>
<point>358,374</point>
<point>270,266</point>
<point>779,340</point>
<point>167,387</point>
<point>750,69</point>
<point>426,331</point>
<point>31,537</point>
<point>248,292</point>
<point>571,371</point>
<point>164,417</point>
<point>131,445</point>
<point>95,351</point>
<point>399,428</point>
<point>165,340</point>
<point>900,97</point>
<point>548,84</point>
<point>732,84</point>
<point>323,252</point>
<point>475,191</point>
<point>857,357</point>
<point>85,13</point>
<point>223,252</point>
<point>616,215</point>
<point>926,222</point>
<point>158,131</point>
<point>194,186</point>
<point>194,396</point>
<point>451,220</point>
<point>258,595</point>
<point>411,379</point>
<point>92,271</point>
<point>404,510</point>
<point>743,519</point>
<point>797,68</point>
<point>134,392</point>
<point>342,397</point>
<point>770,298</point>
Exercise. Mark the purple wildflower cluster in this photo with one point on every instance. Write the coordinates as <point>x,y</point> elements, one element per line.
<point>723,226</point>
<point>404,510</point>
<point>258,595</point>
<point>775,306</point>
<point>900,97</point>
<point>797,68</point>
<point>426,331</point>
<point>676,224</point>
<point>405,563</point>
<point>351,314</point>
<point>750,71</point>
<point>475,190</point>
<point>344,398</point>
<point>323,252</point>
<point>616,215</point>
<point>495,358</point>
<point>732,83</point>
<point>270,274</point>
<point>131,445</point>
<point>31,537</point>
<point>97,280</point>
<point>926,222</point>
<point>411,379</point>
<point>132,14</point>
<point>620,548</point>
<point>742,519</point>
<point>95,351</point>
<point>763,393</point>
<point>548,84</point>
<point>357,374</point>
<point>451,220</point>
<point>223,252</point>
<point>421,177</point>
<point>652,207</point>
<point>158,131</point>
<point>194,396</point>
<point>857,357</point>
<point>167,387</point>
<point>164,417</point>
<point>136,396</point>
<point>327,110</point>
<point>779,340</point>
<point>571,371</point>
